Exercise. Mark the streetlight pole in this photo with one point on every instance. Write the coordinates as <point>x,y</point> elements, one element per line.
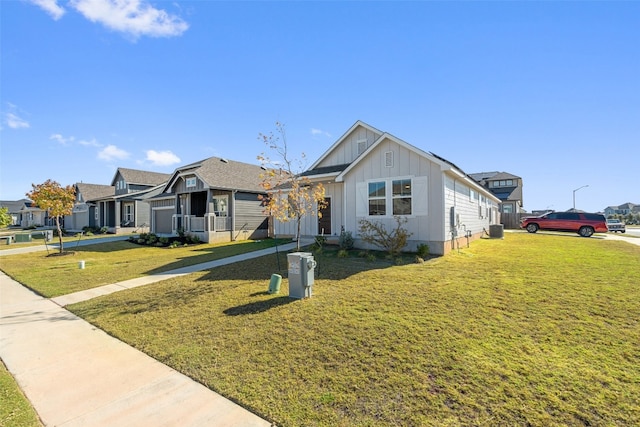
<point>574,195</point>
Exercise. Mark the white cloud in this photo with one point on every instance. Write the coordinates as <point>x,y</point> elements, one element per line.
<point>162,158</point>
<point>61,139</point>
<point>320,132</point>
<point>90,143</point>
<point>51,7</point>
<point>15,122</point>
<point>133,17</point>
<point>111,152</point>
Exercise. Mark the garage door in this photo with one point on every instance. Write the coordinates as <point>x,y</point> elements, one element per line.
<point>162,220</point>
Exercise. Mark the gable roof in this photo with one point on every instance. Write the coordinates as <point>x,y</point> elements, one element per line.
<point>140,177</point>
<point>436,159</point>
<point>342,138</point>
<point>339,171</point>
<point>223,174</point>
<point>14,206</point>
<point>94,191</point>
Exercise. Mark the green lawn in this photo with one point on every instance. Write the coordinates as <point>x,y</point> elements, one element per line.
<point>15,410</point>
<point>529,330</point>
<point>111,262</point>
<point>67,241</point>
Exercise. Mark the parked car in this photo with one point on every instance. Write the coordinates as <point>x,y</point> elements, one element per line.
<point>616,225</point>
<point>585,224</point>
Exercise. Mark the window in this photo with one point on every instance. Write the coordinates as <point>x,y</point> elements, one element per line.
<point>502,183</point>
<point>388,159</point>
<point>377,198</point>
<point>362,145</point>
<point>507,209</point>
<point>97,213</point>
<point>191,182</point>
<point>472,195</point>
<point>128,213</point>
<point>220,205</point>
<point>401,196</point>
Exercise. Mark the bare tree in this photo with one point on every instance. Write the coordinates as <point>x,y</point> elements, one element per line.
<point>290,196</point>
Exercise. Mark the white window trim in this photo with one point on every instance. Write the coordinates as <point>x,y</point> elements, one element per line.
<point>419,203</point>
<point>191,179</point>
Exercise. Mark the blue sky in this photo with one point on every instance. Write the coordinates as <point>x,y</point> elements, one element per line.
<point>549,91</point>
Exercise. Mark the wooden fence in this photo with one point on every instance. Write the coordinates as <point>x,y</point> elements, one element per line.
<point>512,220</point>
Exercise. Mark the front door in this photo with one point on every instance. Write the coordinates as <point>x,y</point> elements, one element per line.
<point>324,223</point>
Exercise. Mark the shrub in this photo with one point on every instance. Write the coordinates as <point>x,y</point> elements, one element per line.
<point>346,240</point>
<point>192,238</point>
<point>104,230</point>
<point>423,250</point>
<point>319,243</point>
<point>342,253</point>
<point>163,240</point>
<point>392,241</point>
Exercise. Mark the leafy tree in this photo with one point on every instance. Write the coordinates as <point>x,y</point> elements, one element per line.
<point>290,196</point>
<point>5,218</point>
<point>55,199</point>
<point>377,234</point>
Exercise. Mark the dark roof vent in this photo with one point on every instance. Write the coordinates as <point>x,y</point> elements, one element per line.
<point>224,160</point>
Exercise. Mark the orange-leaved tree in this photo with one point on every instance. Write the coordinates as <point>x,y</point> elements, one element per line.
<point>55,199</point>
<point>290,195</point>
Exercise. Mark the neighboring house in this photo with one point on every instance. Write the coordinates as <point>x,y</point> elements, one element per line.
<point>505,186</point>
<point>85,209</point>
<point>25,213</point>
<point>215,199</point>
<point>127,210</point>
<point>624,209</point>
<point>372,175</point>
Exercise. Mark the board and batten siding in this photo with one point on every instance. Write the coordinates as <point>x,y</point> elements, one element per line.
<point>161,203</point>
<point>309,223</point>
<point>390,161</point>
<point>356,143</point>
<point>181,185</point>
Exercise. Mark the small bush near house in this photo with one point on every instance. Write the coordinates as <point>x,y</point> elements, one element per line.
<point>151,239</point>
<point>423,250</point>
<point>376,233</point>
<point>343,253</point>
<point>346,240</point>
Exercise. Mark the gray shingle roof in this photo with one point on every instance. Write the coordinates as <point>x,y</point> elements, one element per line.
<point>95,191</point>
<point>485,176</point>
<point>227,174</point>
<point>14,206</point>
<point>134,176</point>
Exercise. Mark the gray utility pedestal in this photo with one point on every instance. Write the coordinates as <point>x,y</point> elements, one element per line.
<point>301,270</point>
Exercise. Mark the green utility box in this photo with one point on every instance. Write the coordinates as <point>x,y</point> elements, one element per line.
<point>22,238</point>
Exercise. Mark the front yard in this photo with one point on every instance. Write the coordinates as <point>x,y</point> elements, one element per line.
<point>107,263</point>
<point>529,330</point>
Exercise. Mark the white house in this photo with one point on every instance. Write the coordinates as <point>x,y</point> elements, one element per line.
<point>372,175</point>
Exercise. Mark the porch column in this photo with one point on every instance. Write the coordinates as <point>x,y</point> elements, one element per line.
<point>233,215</point>
<point>117,222</point>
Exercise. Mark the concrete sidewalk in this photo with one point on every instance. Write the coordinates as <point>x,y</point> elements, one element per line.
<point>75,374</point>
